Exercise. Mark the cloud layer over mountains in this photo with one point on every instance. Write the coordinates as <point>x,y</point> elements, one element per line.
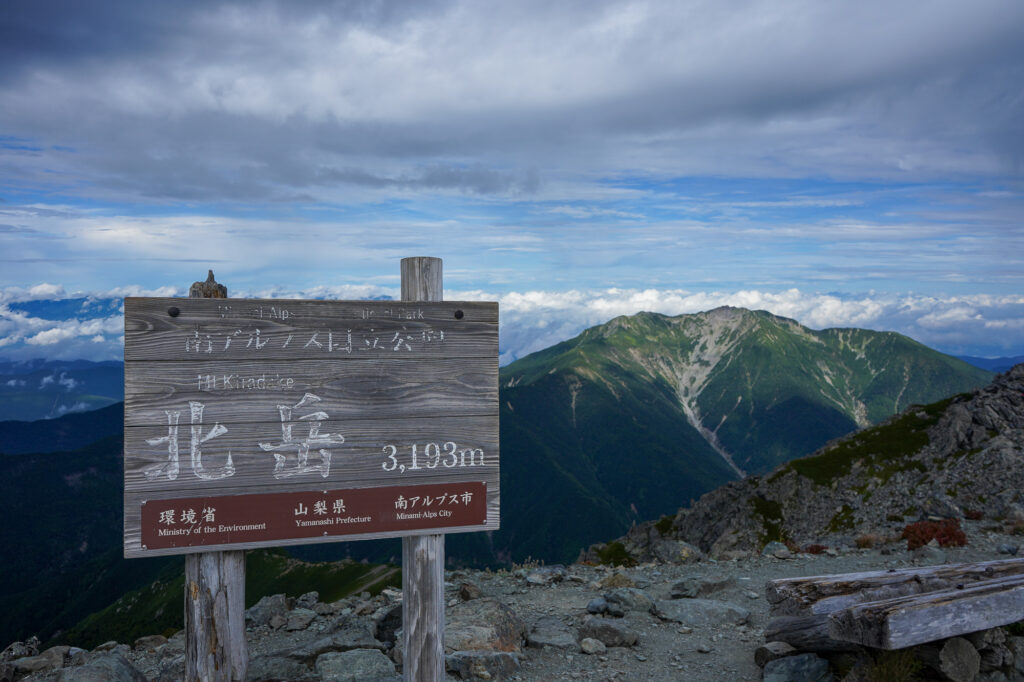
<point>46,321</point>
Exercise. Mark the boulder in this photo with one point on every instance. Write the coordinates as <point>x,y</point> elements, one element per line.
<point>700,612</point>
<point>108,666</point>
<point>801,668</point>
<point>266,608</point>
<point>482,665</point>
<point>546,575</point>
<point>608,632</point>
<point>551,631</point>
<point>274,669</point>
<point>959,661</point>
<point>628,599</point>
<point>483,624</point>
<point>357,665</point>
<point>592,646</point>
<point>299,619</point>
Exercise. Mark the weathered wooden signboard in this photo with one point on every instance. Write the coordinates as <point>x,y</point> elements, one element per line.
<point>254,423</point>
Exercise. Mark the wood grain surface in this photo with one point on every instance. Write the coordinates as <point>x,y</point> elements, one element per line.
<point>245,396</point>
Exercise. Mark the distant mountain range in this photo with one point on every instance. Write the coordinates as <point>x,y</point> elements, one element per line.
<point>45,389</point>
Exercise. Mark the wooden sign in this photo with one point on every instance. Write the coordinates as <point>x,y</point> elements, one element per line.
<point>254,423</point>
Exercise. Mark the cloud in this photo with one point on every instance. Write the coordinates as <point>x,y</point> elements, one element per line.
<point>294,102</point>
<point>979,324</point>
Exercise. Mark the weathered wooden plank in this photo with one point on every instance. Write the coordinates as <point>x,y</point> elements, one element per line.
<point>805,633</point>
<point>267,457</point>
<point>423,558</point>
<point>246,329</point>
<point>234,392</point>
<point>825,594</point>
<point>134,504</point>
<point>907,621</point>
<point>215,617</point>
<point>423,607</point>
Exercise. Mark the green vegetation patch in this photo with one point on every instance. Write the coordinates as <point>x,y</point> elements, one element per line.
<point>843,520</point>
<point>615,554</point>
<point>883,450</point>
<point>770,513</point>
<point>664,524</point>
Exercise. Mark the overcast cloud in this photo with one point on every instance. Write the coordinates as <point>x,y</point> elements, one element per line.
<point>855,163</point>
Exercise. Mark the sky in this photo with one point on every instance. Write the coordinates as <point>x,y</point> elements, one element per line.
<point>841,163</point>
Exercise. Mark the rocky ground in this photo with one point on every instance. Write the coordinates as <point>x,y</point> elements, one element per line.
<point>701,620</point>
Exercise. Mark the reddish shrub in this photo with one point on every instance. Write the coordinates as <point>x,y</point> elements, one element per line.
<point>947,532</point>
<point>815,549</point>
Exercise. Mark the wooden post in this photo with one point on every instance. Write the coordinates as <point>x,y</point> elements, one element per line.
<point>215,648</point>
<point>422,555</point>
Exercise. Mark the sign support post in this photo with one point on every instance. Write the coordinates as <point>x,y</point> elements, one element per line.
<point>215,646</point>
<point>422,555</point>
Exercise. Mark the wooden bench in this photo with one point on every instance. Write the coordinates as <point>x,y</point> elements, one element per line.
<point>895,609</point>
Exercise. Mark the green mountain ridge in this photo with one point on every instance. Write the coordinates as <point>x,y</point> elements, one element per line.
<point>632,418</point>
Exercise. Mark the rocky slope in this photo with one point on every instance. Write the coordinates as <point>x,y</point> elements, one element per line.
<point>959,458</point>
<point>692,619</point>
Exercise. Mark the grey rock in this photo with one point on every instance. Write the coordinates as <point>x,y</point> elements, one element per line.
<point>308,600</point>
<point>609,632</point>
<point>802,668</point>
<point>354,634</point>
<point>274,669</point>
<point>483,624</point>
<point>14,650</point>
<point>771,651</point>
<point>700,612</point>
<point>486,665</point>
<point>929,554</point>
<point>468,591</point>
<point>150,642</point>
<point>1016,647</point>
<point>675,552</point>
<point>690,588</point>
<point>299,619</point>
<point>629,599</point>
<point>546,575</point>
<point>106,646</point>
<point>959,661</point>
<point>597,605</point>
<point>551,631</point>
<point>387,623</point>
<point>104,667</point>
<point>358,665</point>
<point>776,549</point>
<point>1006,548</point>
<point>592,646</point>
<point>51,659</point>
<point>266,608</point>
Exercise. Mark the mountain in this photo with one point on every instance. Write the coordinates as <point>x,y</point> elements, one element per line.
<point>45,389</point>
<point>633,417</point>
<point>955,458</point>
<point>72,431</point>
<point>992,364</point>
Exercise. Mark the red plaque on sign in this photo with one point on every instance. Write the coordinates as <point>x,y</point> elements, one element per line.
<point>199,521</point>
